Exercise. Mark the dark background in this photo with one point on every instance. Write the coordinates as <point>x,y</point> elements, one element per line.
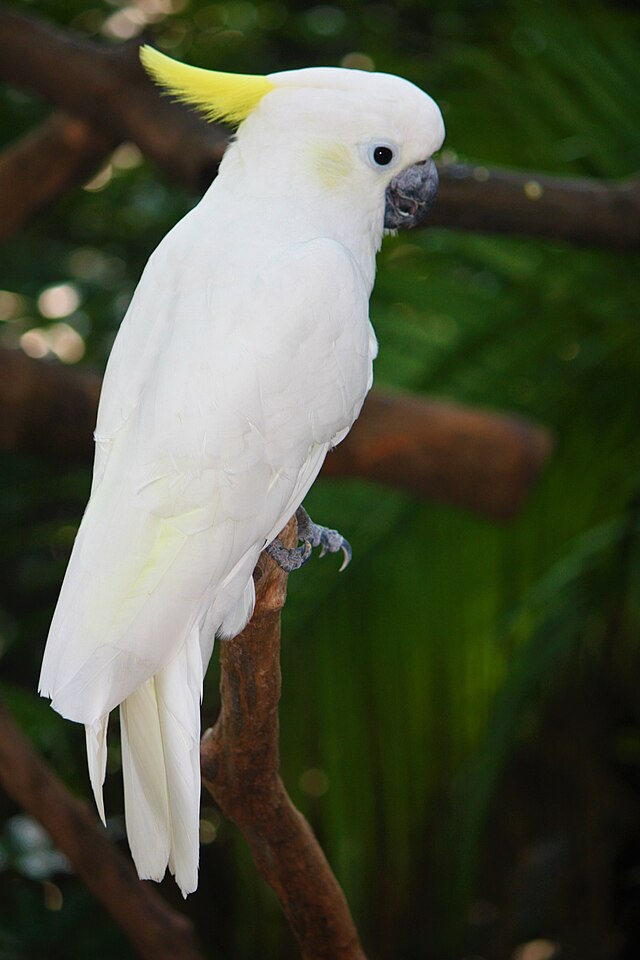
<point>460,718</point>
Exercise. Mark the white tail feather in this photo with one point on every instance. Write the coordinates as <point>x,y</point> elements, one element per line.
<point>238,617</point>
<point>161,768</point>
<point>146,805</point>
<point>96,734</point>
<point>181,739</point>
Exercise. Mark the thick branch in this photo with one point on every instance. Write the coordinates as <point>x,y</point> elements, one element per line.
<point>484,461</point>
<point>240,762</point>
<point>591,212</point>
<point>155,930</point>
<point>106,86</point>
<point>44,164</point>
<point>46,408</point>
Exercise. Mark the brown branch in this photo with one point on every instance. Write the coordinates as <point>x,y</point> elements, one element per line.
<point>156,931</point>
<point>106,86</point>
<point>44,164</point>
<point>487,462</point>
<point>240,762</point>
<point>484,461</point>
<point>46,408</point>
<point>592,212</point>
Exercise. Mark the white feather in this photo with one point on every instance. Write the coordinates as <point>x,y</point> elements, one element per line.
<point>246,353</point>
<point>146,801</point>
<point>96,736</point>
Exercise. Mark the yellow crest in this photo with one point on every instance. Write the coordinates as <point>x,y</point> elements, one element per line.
<point>229,97</point>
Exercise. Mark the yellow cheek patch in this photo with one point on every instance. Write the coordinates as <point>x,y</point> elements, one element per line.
<point>332,162</point>
<point>227,97</point>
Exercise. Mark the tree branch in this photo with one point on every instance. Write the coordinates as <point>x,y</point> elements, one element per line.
<point>484,461</point>
<point>47,409</point>
<point>155,930</point>
<point>591,212</point>
<point>107,87</point>
<point>240,763</point>
<point>487,462</point>
<point>48,161</point>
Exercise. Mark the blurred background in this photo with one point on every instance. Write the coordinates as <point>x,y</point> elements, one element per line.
<point>461,711</point>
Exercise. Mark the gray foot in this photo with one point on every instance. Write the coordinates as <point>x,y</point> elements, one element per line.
<point>329,540</point>
<point>289,559</point>
<point>312,535</point>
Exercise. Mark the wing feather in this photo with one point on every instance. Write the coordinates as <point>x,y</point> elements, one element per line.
<point>213,424</point>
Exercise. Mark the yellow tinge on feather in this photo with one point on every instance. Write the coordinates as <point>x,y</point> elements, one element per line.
<point>228,97</point>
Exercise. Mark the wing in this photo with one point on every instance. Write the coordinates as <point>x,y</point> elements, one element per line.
<point>219,405</point>
<point>144,330</point>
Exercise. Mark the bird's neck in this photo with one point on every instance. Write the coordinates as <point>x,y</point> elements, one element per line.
<point>292,209</point>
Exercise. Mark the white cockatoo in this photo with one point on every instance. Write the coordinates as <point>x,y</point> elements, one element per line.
<point>244,357</point>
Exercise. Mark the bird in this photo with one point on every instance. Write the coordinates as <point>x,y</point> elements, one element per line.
<point>244,357</point>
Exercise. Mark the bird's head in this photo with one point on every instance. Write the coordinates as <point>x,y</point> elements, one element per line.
<point>344,131</point>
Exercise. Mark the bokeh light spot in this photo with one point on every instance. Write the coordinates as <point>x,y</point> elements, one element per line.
<point>326,21</point>
<point>10,304</point>
<point>358,61</point>
<point>100,181</point>
<point>314,782</point>
<point>533,190</point>
<point>34,343</point>
<point>58,301</point>
<point>66,343</point>
<point>126,157</point>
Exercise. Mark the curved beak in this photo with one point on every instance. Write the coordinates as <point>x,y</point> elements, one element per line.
<point>410,195</point>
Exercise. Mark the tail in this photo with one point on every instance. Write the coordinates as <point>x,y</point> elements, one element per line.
<point>160,736</point>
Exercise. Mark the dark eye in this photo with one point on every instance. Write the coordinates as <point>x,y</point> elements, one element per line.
<point>382,155</point>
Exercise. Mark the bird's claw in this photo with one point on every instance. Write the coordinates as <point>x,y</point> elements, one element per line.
<point>348,555</point>
<point>312,535</point>
<point>289,559</point>
<point>329,541</point>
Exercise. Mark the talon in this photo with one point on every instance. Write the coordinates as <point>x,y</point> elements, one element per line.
<point>348,555</point>
<point>329,541</point>
<point>312,535</point>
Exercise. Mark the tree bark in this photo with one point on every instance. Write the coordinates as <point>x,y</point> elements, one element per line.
<point>155,930</point>
<point>47,162</point>
<point>47,409</point>
<point>589,212</point>
<point>240,763</point>
<point>487,462</point>
<point>107,87</point>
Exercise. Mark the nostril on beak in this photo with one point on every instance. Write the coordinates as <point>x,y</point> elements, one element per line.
<point>410,194</point>
<point>406,207</point>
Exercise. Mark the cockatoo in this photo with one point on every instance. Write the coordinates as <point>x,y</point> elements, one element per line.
<point>245,356</point>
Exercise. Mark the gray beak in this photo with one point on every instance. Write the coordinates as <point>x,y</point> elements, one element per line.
<point>409,195</point>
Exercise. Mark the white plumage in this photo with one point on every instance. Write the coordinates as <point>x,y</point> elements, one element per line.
<point>245,355</point>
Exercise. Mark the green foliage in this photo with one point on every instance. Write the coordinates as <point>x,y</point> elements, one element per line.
<point>409,679</point>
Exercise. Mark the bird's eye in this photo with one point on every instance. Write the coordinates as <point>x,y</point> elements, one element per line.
<point>382,155</point>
